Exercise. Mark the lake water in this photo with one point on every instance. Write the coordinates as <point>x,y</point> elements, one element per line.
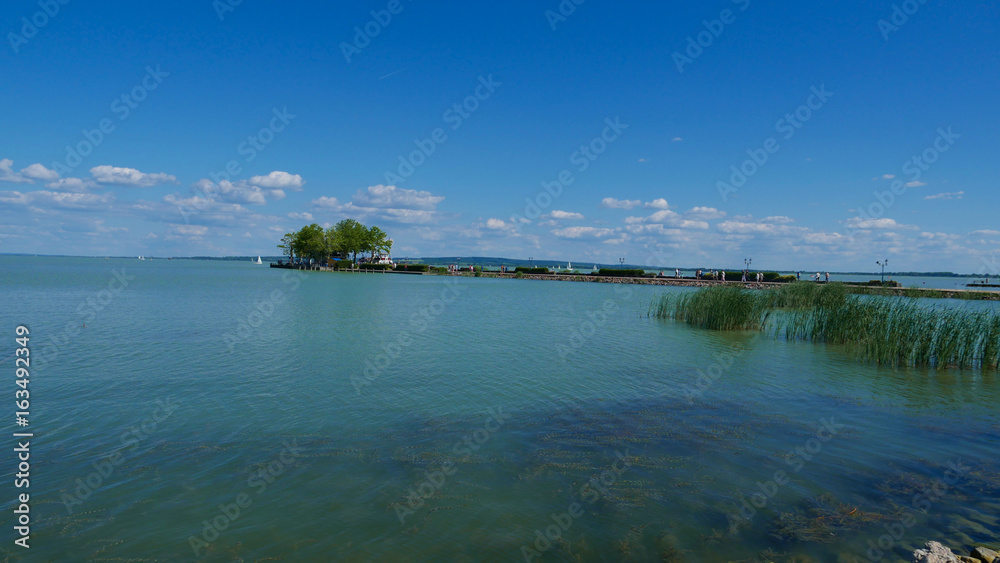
<point>224,411</point>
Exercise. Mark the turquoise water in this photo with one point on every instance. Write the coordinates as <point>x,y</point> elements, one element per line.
<point>365,417</point>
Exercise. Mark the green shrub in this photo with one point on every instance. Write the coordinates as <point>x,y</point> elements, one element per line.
<point>613,272</point>
<point>439,269</point>
<point>776,277</point>
<point>526,270</point>
<point>413,268</point>
<point>343,265</point>
<point>375,266</point>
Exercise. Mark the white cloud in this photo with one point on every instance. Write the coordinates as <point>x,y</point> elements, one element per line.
<point>761,228</point>
<point>71,185</point>
<point>882,223</point>
<point>777,219</point>
<point>677,139</point>
<point>391,197</point>
<point>888,176</point>
<point>915,184</point>
<point>45,199</point>
<point>301,216</point>
<point>327,202</point>
<point>497,224</point>
<point>986,233</point>
<point>824,238</point>
<point>8,175</point>
<point>39,172</point>
<point>556,214</point>
<point>279,180</point>
<point>189,230</point>
<point>237,192</point>
<point>128,177</point>
<point>658,203</point>
<point>939,236</point>
<point>704,213</point>
<point>946,195</point>
<point>583,232</point>
<point>612,203</point>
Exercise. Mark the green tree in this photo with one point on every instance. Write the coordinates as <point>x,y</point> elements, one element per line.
<point>377,241</point>
<point>287,242</point>
<point>350,237</point>
<point>310,242</point>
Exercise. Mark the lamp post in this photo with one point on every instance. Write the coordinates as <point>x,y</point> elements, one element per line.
<point>883,264</point>
<point>621,261</point>
<point>746,263</point>
<point>531,262</point>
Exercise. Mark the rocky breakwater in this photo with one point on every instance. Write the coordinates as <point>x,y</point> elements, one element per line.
<point>934,552</point>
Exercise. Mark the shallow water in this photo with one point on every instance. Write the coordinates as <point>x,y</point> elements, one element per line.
<point>355,391</point>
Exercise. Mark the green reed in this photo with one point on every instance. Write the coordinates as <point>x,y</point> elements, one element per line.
<point>718,308</point>
<point>892,331</point>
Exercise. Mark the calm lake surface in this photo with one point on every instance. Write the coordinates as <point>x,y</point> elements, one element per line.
<point>225,411</point>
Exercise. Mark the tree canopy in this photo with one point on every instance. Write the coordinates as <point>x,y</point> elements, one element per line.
<point>346,238</point>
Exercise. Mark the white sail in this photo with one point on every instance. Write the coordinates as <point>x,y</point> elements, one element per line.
<point>258,261</point>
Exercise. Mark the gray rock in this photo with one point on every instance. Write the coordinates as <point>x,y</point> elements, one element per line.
<point>985,554</point>
<point>934,553</point>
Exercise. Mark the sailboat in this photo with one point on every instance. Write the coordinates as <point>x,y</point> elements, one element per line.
<point>141,258</point>
<point>569,266</point>
<point>258,261</point>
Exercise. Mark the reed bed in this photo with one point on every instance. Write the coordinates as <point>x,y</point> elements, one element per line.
<point>894,331</point>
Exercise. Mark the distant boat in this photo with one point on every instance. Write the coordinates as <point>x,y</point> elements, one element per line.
<point>141,258</point>
<point>569,266</point>
<point>258,261</point>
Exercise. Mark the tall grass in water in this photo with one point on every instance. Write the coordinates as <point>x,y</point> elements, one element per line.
<point>719,308</point>
<point>888,331</point>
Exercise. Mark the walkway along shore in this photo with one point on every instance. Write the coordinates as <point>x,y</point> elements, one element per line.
<point>684,282</point>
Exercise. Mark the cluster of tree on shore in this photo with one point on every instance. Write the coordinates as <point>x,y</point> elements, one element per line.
<point>346,238</point>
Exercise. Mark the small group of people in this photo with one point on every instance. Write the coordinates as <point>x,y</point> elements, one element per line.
<point>711,275</point>
<point>758,276</point>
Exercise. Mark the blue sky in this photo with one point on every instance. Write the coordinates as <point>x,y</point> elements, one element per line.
<point>227,125</point>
